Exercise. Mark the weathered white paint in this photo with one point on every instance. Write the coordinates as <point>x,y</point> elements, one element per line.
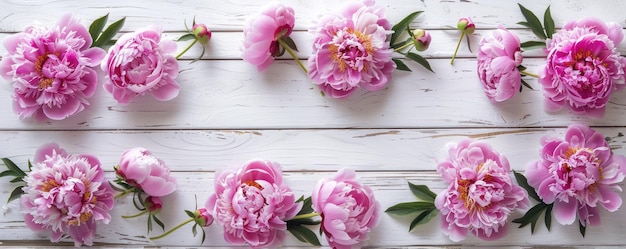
<point>228,113</point>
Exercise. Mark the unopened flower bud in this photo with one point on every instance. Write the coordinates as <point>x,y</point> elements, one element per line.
<point>203,217</point>
<point>153,204</point>
<point>466,25</point>
<point>202,33</point>
<point>421,39</point>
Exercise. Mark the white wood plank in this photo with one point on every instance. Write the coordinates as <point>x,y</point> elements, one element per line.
<point>389,188</point>
<point>231,15</point>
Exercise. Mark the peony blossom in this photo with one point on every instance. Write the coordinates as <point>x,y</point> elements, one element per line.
<point>252,204</point>
<point>499,56</point>
<point>583,67</point>
<point>140,63</point>
<point>140,168</point>
<point>262,32</point>
<point>348,209</point>
<point>66,195</point>
<point>350,50</point>
<point>578,174</point>
<point>480,194</point>
<point>51,69</point>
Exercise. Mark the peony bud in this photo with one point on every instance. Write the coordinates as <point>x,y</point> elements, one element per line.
<point>466,25</point>
<point>203,217</point>
<point>202,33</point>
<point>153,204</point>
<point>421,39</point>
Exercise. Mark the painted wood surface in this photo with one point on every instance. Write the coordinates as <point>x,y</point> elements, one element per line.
<point>228,113</point>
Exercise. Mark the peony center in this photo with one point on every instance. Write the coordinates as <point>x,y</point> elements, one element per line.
<point>579,169</point>
<point>45,82</point>
<point>351,49</point>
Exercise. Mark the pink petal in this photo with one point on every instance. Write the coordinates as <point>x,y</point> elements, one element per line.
<point>565,212</point>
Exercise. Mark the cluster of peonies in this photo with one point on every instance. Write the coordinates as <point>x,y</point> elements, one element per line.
<point>52,69</point>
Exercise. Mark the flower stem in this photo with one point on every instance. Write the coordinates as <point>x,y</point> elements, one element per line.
<point>172,230</point>
<point>133,216</point>
<point>284,45</point>
<point>458,44</point>
<point>122,194</point>
<point>187,48</point>
<point>305,216</point>
<point>403,47</point>
<point>529,74</point>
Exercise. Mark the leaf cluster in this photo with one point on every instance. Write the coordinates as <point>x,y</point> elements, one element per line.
<point>18,177</point>
<point>532,215</point>
<point>424,209</point>
<point>399,30</point>
<point>532,22</point>
<point>297,226</point>
<point>101,38</point>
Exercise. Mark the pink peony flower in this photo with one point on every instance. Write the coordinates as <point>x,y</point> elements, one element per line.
<point>262,32</point>
<point>350,50</point>
<point>140,168</point>
<point>139,63</point>
<point>66,195</point>
<point>583,67</point>
<point>499,56</point>
<point>252,204</point>
<point>480,194</point>
<point>577,174</point>
<point>348,209</point>
<point>51,69</point>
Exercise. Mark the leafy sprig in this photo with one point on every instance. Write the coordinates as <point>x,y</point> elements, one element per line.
<point>402,29</point>
<point>296,226</point>
<point>104,38</point>
<point>18,177</point>
<point>532,22</point>
<point>424,209</point>
<point>532,215</point>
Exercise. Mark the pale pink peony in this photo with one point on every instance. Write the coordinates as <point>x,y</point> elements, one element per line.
<point>253,204</point>
<point>141,169</point>
<point>66,195</point>
<point>351,50</point>
<point>583,67</point>
<point>480,194</point>
<point>51,69</point>
<point>578,174</point>
<point>348,209</point>
<point>499,55</point>
<point>140,63</point>
<point>261,34</point>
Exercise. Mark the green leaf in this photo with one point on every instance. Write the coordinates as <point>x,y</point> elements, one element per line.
<point>7,173</point>
<point>159,222</point>
<point>531,216</point>
<point>407,208</point>
<point>15,194</point>
<point>529,44</point>
<point>548,217</point>
<point>109,33</point>
<point>401,44</point>
<point>419,59</point>
<point>115,187</point>
<point>524,83</point>
<point>203,236</point>
<point>548,22</point>
<point>30,166</point>
<point>423,218</point>
<point>304,234</point>
<point>400,65</point>
<point>523,182</point>
<point>190,214</point>
<point>186,37</point>
<point>194,230</point>
<point>521,68</point>
<point>422,192</point>
<point>97,25</point>
<point>290,43</point>
<point>532,22</point>
<point>582,229</point>
<point>306,205</point>
<point>402,24</point>
<point>12,166</point>
<point>149,224</point>
<point>16,179</point>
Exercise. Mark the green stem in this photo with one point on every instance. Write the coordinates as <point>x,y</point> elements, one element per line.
<point>187,48</point>
<point>529,74</point>
<point>305,216</point>
<point>136,215</point>
<point>403,47</point>
<point>172,230</point>
<point>122,194</point>
<point>458,44</point>
<point>284,45</point>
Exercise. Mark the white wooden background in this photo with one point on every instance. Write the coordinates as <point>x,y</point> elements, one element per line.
<point>227,113</point>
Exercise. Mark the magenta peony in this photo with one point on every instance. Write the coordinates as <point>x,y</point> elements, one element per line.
<point>583,67</point>
<point>498,58</point>
<point>480,194</point>
<point>350,50</point>
<point>262,32</point>
<point>141,169</point>
<point>252,204</point>
<point>51,69</point>
<point>348,209</point>
<point>66,195</point>
<point>140,63</point>
<point>578,174</point>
